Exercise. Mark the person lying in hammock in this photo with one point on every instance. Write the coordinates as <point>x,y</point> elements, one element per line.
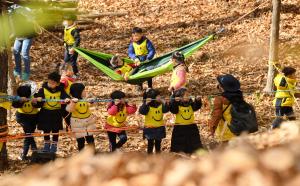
<point>123,68</point>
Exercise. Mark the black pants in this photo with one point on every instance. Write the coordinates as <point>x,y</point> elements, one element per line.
<point>28,141</point>
<point>72,59</point>
<point>112,136</point>
<point>151,144</point>
<point>81,142</point>
<point>280,112</point>
<point>54,137</point>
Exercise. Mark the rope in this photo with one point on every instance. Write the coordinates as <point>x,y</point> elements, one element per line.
<point>99,100</point>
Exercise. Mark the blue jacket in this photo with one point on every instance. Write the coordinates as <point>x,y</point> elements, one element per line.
<point>150,47</point>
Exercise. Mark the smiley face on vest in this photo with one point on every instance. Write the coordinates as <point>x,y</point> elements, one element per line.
<point>27,107</point>
<point>82,108</point>
<point>186,113</point>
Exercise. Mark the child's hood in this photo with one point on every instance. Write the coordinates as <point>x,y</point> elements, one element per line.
<point>57,89</point>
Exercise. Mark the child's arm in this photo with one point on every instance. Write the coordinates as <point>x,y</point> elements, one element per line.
<point>144,109</point>
<point>112,109</point>
<point>131,109</point>
<point>75,33</point>
<point>165,107</point>
<point>151,50</point>
<point>37,96</point>
<point>197,104</point>
<point>131,52</point>
<point>19,103</point>
<point>174,105</point>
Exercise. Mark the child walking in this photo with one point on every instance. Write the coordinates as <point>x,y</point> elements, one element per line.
<point>185,135</point>
<point>82,120</point>
<point>118,111</point>
<point>285,84</point>
<point>153,109</point>
<point>50,116</point>
<point>27,117</point>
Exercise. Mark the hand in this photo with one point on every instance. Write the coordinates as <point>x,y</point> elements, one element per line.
<point>137,62</point>
<point>158,99</point>
<point>148,100</point>
<point>91,100</point>
<point>198,98</point>
<point>117,101</point>
<point>126,77</point>
<point>75,100</point>
<point>67,100</point>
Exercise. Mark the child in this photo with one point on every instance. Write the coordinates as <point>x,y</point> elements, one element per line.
<point>121,67</point>
<point>82,118</point>
<point>285,96</point>
<point>178,79</point>
<point>118,111</point>
<point>27,117</point>
<point>153,109</point>
<point>67,79</point>
<point>50,116</point>
<point>229,87</point>
<point>185,135</point>
<point>140,49</point>
<point>71,40</point>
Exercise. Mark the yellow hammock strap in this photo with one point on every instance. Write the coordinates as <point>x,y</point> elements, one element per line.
<point>276,65</point>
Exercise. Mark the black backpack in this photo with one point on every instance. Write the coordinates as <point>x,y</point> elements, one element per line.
<point>243,118</point>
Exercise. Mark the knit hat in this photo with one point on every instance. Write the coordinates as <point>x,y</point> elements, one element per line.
<point>229,83</point>
<point>76,90</point>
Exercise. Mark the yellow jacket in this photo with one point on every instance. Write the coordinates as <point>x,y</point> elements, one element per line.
<point>285,86</point>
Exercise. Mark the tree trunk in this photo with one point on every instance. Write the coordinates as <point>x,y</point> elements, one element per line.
<point>3,112</point>
<point>274,41</point>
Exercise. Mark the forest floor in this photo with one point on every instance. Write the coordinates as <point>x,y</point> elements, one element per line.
<point>242,50</point>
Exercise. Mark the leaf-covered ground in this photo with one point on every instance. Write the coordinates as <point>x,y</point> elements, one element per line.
<point>241,50</point>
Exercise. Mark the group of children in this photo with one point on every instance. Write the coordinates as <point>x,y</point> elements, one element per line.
<point>41,109</point>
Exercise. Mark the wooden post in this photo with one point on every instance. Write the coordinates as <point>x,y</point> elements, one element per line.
<point>274,42</point>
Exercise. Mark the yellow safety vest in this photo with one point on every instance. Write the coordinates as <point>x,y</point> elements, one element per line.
<point>82,110</point>
<point>68,38</point>
<point>27,108</point>
<point>51,105</point>
<point>175,78</point>
<point>185,116</point>
<point>67,89</point>
<point>140,49</point>
<point>283,97</point>
<point>223,132</point>
<point>155,117</point>
<point>119,119</point>
<point>125,69</point>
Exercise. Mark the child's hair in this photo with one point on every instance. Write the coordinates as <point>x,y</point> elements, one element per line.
<point>137,30</point>
<point>114,61</point>
<point>151,93</point>
<point>117,94</point>
<point>178,56</point>
<point>68,67</point>
<point>180,92</point>
<point>76,90</point>
<point>24,91</point>
<point>288,71</point>
<point>54,76</point>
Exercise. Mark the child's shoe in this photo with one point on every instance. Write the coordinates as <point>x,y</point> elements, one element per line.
<point>46,147</point>
<point>25,76</point>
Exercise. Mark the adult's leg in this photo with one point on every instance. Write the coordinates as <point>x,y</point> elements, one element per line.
<point>122,139</point>
<point>112,136</point>
<point>17,56</point>
<point>80,143</point>
<point>26,57</point>
<point>150,146</point>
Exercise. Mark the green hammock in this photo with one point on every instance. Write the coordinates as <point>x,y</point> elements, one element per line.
<point>147,70</point>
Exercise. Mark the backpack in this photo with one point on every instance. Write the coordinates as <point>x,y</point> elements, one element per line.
<point>243,118</point>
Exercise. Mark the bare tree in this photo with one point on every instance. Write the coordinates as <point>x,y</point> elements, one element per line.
<point>274,41</point>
